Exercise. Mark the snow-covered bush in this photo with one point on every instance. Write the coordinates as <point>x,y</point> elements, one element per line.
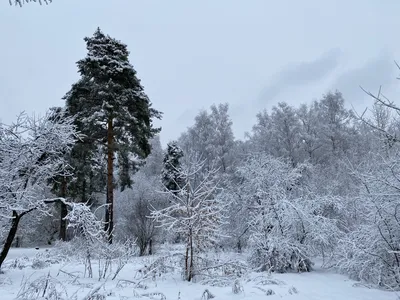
<point>38,263</point>
<point>237,287</point>
<point>207,295</point>
<point>284,223</point>
<point>44,287</point>
<point>19,263</point>
<point>97,255</point>
<point>220,272</point>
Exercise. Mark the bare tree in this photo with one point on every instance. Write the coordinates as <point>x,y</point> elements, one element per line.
<point>22,2</point>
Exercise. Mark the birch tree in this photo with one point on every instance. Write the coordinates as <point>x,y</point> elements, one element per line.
<point>196,213</point>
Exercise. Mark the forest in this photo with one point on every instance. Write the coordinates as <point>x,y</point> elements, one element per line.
<point>312,184</point>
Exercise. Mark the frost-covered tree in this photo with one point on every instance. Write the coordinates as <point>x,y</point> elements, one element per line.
<point>335,124</point>
<point>211,139</point>
<point>196,141</point>
<point>154,162</point>
<point>371,250</point>
<point>278,133</point>
<point>112,110</point>
<point>32,153</point>
<point>222,140</point>
<point>171,172</point>
<point>196,212</point>
<point>309,135</point>
<point>286,132</point>
<point>317,132</point>
<point>259,139</point>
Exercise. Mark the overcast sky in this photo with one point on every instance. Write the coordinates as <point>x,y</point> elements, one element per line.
<point>191,54</point>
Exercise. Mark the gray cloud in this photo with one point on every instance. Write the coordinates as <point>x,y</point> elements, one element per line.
<point>301,74</point>
<point>379,71</point>
<point>295,76</point>
<point>190,55</point>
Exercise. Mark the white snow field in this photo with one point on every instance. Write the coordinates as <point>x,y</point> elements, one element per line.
<point>21,271</point>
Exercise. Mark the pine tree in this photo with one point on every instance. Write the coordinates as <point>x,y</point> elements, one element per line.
<point>112,110</point>
<point>172,167</point>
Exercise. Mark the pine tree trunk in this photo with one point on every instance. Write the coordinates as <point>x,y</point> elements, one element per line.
<point>11,235</point>
<point>110,183</point>
<point>63,211</point>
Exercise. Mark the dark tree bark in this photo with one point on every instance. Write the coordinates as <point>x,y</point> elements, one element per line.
<point>151,246</point>
<point>190,276</point>
<point>110,183</point>
<point>63,211</point>
<point>187,262</point>
<point>16,218</point>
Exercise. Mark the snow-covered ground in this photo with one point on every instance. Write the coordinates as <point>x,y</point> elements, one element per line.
<point>317,285</point>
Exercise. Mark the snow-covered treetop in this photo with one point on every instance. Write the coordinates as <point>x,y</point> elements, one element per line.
<point>109,91</point>
<point>106,57</point>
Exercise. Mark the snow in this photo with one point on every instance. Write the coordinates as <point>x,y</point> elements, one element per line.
<point>317,285</point>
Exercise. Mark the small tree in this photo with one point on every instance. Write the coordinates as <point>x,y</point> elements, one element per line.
<point>171,171</point>
<point>196,213</point>
<point>371,249</point>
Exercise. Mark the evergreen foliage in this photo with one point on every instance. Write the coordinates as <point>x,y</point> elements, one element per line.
<point>112,111</point>
<point>171,173</point>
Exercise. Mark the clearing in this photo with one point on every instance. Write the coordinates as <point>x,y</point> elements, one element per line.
<point>26,270</point>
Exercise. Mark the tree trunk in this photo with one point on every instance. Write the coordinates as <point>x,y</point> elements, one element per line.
<point>11,235</point>
<point>151,247</point>
<point>239,246</point>
<point>191,257</point>
<point>63,212</point>
<point>110,183</point>
<point>187,263</point>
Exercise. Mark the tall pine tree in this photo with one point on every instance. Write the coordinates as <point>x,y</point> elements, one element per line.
<point>111,110</point>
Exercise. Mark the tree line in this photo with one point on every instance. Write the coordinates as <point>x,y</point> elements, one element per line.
<point>316,180</point>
